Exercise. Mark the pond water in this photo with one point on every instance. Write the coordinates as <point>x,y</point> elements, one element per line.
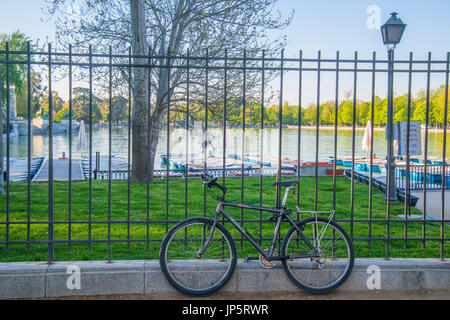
<point>252,143</point>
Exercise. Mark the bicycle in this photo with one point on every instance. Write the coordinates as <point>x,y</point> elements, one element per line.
<point>198,255</point>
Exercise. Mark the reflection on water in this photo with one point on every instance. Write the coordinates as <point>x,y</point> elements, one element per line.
<point>252,143</point>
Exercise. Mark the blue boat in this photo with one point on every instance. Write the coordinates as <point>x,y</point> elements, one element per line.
<point>360,166</point>
<point>375,167</point>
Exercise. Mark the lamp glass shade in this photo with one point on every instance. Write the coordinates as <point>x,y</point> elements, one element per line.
<point>392,30</point>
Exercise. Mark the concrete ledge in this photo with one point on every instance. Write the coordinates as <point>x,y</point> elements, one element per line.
<point>38,280</point>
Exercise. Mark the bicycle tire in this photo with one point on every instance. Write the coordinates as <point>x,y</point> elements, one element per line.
<point>166,265</point>
<point>287,264</point>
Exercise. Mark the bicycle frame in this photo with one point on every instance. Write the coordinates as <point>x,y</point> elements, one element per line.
<point>280,214</point>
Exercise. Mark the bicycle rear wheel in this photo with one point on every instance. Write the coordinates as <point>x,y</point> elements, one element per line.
<point>188,273</point>
<point>331,268</point>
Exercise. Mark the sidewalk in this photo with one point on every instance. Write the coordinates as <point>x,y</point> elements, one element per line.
<point>144,279</point>
<point>434,204</point>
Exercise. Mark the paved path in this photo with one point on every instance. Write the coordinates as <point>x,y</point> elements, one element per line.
<point>60,170</point>
<point>299,295</point>
<point>434,203</point>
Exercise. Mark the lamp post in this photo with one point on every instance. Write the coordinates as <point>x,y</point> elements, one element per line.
<point>392,32</point>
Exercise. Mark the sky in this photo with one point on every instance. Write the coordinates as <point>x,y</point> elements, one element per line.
<point>326,25</point>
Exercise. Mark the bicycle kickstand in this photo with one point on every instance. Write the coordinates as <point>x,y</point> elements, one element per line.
<point>250,258</point>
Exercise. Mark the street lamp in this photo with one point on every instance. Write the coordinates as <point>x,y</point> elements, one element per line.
<point>392,32</point>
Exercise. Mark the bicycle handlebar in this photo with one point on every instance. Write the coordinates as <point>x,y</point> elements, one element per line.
<point>213,183</point>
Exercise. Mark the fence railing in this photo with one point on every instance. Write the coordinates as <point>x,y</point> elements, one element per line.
<point>431,177</point>
<point>364,223</point>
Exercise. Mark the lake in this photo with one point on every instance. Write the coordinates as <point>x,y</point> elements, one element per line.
<point>18,146</point>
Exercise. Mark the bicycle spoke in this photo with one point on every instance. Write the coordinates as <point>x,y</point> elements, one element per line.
<point>321,272</point>
<point>187,270</point>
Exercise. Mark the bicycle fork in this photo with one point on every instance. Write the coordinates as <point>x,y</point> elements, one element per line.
<point>208,239</point>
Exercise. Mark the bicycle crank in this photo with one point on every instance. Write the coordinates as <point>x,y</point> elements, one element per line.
<point>266,263</point>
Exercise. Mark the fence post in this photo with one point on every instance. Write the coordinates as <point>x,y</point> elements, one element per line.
<point>2,188</point>
<point>97,164</point>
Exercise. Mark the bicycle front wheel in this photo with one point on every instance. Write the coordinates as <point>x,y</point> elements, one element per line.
<point>183,268</point>
<point>335,255</point>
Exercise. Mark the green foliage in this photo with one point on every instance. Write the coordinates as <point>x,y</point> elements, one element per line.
<point>57,102</point>
<point>119,110</point>
<point>327,111</point>
<point>81,105</point>
<point>17,41</point>
<point>61,114</point>
<point>37,91</point>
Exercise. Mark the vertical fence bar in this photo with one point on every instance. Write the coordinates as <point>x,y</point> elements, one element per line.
<point>225,84</point>
<point>50,159</point>
<point>225,100</point>
<point>109,151</point>
<point>261,142</point>
<point>336,111</point>
<point>2,190</point>
<point>90,148</point>
<point>149,128</point>
<point>425,166</point>
<point>205,129</point>
<point>372,118</point>
<point>168,139</point>
<point>70,152</point>
<point>352,199</point>
<point>243,139</point>
<point>280,127</point>
<point>8,173</point>
<point>408,168</point>
<point>316,173</point>
<point>186,175</point>
<point>28,144</point>
<point>129,147</point>
<point>444,147</point>
<point>390,155</point>
<point>299,129</point>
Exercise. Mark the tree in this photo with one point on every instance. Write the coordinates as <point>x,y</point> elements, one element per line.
<point>364,112</point>
<point>17,41</point>
<point>57,103</point>
<point>119,110</point>
<point>439,110</point>
<point>345,115</point>
<point>38,90</point>
<point>164,27</point>
<point>327,113</point>
<point>81,105</point>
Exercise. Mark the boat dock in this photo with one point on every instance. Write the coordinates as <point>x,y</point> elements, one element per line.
<point>18,168</point>
<point>60,170</point>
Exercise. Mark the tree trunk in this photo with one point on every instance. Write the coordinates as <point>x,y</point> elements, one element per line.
<point>157,122</point>
<point>140,115</point>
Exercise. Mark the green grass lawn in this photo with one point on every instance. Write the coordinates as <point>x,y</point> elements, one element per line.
<point>176,211</point>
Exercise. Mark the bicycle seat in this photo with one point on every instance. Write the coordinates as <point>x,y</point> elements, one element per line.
<point>286,183</point>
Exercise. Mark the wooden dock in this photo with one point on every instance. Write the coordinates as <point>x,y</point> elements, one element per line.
<point>60,170</point>
<point>18,168</point>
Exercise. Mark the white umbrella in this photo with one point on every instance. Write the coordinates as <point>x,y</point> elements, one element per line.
<point>367,137</point>
<point>81,143</point>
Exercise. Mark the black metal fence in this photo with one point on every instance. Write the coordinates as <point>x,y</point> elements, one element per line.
<point>247,67</point>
